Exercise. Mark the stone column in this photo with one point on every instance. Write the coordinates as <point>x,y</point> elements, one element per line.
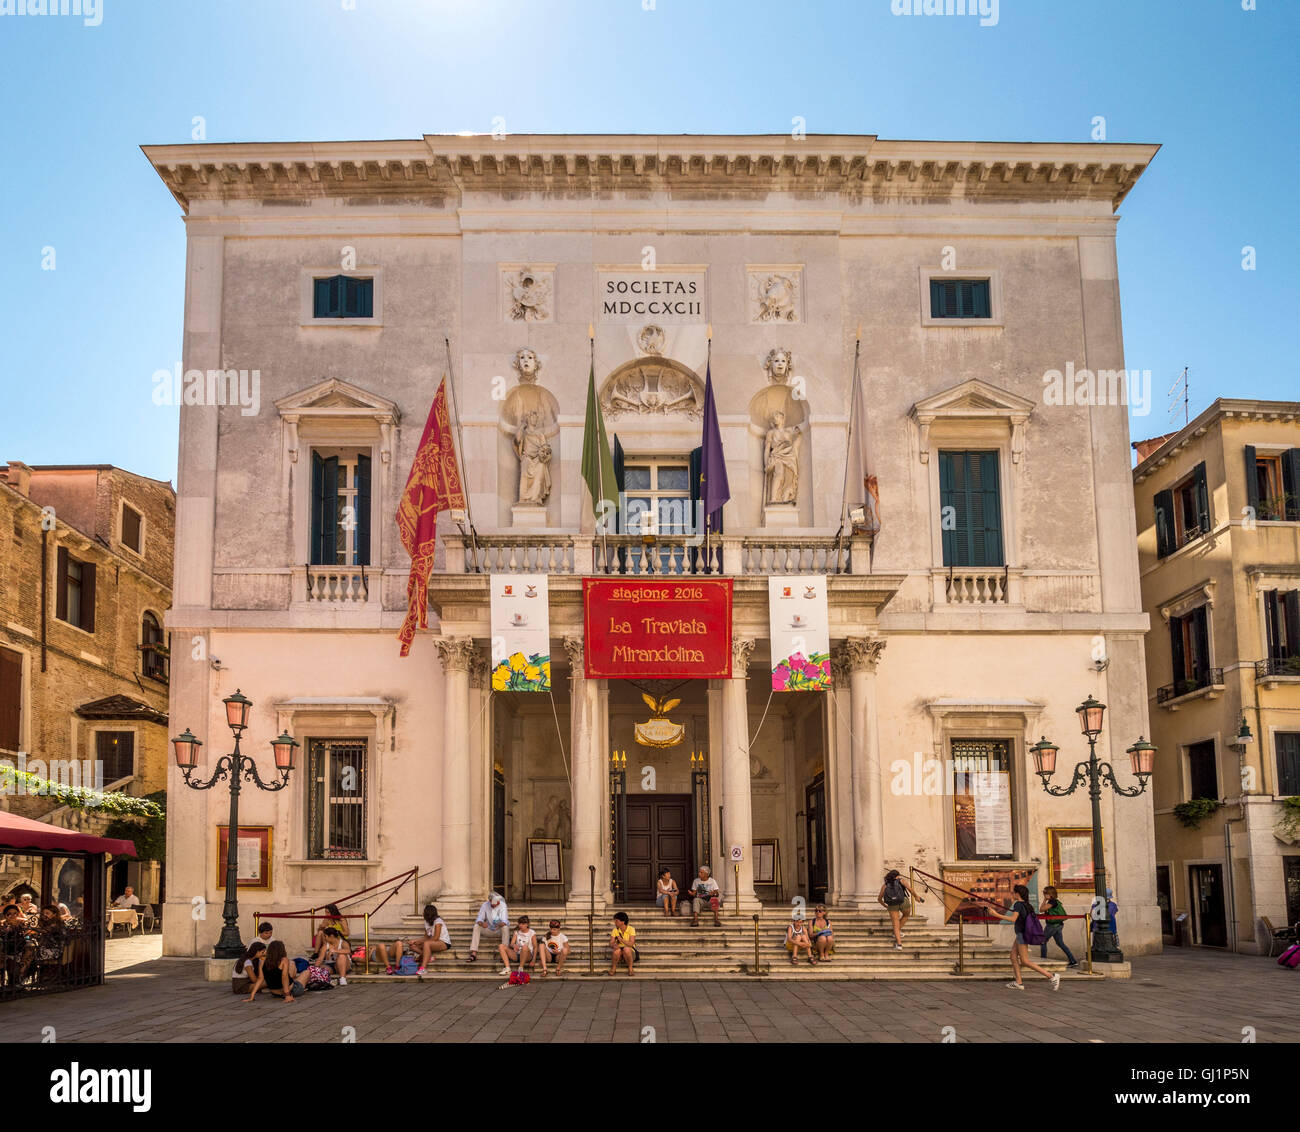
<point>839,787</point>
<point>590,786</point>
<point>479,757</point>
<point>456,654</point>
<point>865,777</point>
<point>737,812</point>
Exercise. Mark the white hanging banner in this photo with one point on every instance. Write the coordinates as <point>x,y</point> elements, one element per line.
<point>799,626</point>
<point>521,633</point>
<point>992,791</point>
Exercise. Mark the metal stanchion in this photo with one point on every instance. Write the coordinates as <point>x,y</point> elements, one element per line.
<point>961,945</point>
<point>756,970</point>
<point>1087,940</point>
<point>366,961</point>
<point>737,867</point>
<point>417,890</point>
<point>591,924</point>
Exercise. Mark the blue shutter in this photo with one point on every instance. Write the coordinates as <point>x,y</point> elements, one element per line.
<point>321,299</point>
<point>950,464</point>
<point>1288,763</point>
<point>988,539</point>
<point>1291,483</point>
<point>1201,494</point>
<point>1252,478</point>
<point>363,510</point>
<point>324,509</point>
<point>979,305</point>
<point>1179,661</point>
<point>1164,505</point>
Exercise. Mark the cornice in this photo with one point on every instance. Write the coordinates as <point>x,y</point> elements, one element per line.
<point>858,166</point>
<point>1224,408</point>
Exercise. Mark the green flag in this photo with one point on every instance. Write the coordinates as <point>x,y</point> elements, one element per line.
<point>597,464</point>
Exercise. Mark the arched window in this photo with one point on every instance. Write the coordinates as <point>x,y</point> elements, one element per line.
<point>153,652</point>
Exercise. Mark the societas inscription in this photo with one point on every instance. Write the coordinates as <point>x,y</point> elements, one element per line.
<point>637,295</point>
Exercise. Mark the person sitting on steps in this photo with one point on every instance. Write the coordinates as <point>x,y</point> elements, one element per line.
<point>798,938</point>
<point>823,935</point>
<point>704,890</point>
<point>522,947</point>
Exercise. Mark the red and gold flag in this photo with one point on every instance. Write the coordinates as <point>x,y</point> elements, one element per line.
<point>434,485</point>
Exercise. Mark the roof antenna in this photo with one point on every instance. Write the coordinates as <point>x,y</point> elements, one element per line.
<point>1185,386</point>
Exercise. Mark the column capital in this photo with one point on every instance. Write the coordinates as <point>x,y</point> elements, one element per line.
<point>573,646</point>
<point>861,654</point>
<point>741,648</point>
<point>456,653</point>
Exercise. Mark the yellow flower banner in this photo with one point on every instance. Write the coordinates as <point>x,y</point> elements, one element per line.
<point>521,633</point>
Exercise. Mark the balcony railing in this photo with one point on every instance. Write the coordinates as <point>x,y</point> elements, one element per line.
<point>1209,678</point>
<point>1277,666</point>
<point>985,585</point>
<point>337,584</point>
<point>667,555</point>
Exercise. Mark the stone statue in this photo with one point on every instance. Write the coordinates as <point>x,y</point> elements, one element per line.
<point>776,298</point>
<point>777,363</point>
<point>534,452</point>
<point>528,396</point>
<point>781,460</point>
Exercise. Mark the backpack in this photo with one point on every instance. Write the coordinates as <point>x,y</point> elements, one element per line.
<point>1033,932</point>
<point>895,893</point>
<point>408,965</point>
<point>1290,957</point>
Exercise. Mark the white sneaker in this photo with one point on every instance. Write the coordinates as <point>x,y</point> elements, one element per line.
<point>898,947</point>
<point>505,970</point>
<point>1016,986</point>
<point>342,981</point>
<point>1056,982</point>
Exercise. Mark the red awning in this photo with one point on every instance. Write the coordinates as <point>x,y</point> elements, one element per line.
<point>23,833</point>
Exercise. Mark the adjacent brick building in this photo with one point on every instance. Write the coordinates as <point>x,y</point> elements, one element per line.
<point>85,584</point>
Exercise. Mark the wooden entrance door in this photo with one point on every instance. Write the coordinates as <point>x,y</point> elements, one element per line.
<point>658,837</point>
<point>815,811</point>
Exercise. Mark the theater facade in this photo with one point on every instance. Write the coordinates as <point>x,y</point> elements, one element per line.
<point>344,280</point>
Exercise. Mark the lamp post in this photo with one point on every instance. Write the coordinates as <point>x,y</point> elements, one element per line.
<point>233,766</point>
<point>1092,772</point>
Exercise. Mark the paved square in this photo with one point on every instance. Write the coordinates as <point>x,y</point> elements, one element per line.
<point>1182,996</point>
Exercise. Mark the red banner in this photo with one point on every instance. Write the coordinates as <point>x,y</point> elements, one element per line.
<point>676,629</point>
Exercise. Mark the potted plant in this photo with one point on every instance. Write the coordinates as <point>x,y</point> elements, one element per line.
<point>1191,814</point>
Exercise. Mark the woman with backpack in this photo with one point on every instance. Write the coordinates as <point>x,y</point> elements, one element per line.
<point>897,895</point>
<point>1026,923</point>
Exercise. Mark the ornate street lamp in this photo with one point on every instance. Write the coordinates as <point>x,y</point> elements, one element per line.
<point>233,766</point>
<point>1142,757</point>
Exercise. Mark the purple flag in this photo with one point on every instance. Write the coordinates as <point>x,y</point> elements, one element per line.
<point>714,489</point>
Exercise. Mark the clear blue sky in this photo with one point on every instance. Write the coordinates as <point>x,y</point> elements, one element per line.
<point>1214,84</point>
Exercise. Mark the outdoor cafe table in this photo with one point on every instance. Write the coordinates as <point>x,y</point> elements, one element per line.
<point>128,916</point>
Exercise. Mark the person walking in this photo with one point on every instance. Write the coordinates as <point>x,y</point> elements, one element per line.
<point>1020,911</point>
<point>896,894</point>
<point>1054,918</point>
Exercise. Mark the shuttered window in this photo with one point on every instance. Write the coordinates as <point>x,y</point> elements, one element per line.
<point>342,296</point>
<point>11,700</point>
<point>1182,513</point>
<point>340,508</point>
<point>1288,763</point>
<point>1273,484</point>
<point>970,509</point>
<point>1282,623</point>
<point>959,298</point>
<point>115,751</point>
<point>1189,641</point>
<point>74,591</point>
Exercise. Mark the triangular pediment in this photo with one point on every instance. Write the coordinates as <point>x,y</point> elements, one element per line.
<point>972,399</point>
<point>335,397</point>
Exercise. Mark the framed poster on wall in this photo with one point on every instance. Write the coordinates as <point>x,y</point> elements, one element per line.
<point>253,851</point>
<point>545,861</point>
<point>1069,858</point>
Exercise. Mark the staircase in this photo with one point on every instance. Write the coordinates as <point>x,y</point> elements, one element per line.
<point>672,949</point>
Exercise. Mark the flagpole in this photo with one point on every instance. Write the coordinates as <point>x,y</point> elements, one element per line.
<point>469,511</point>
<point>600,464</point>
<point>704,499</point>
<point>853,401</point>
